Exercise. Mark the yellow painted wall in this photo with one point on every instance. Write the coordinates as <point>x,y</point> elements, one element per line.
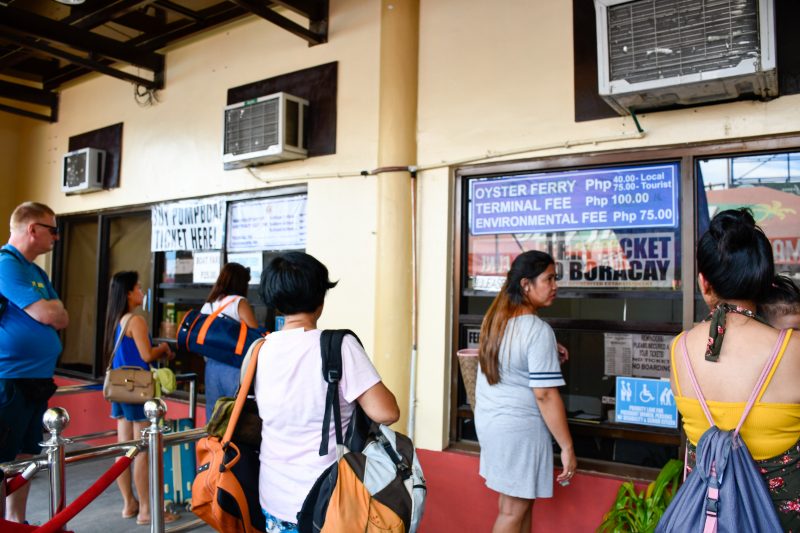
<point>490,80</point>
<point>173,149</point>
<point>9,146</point>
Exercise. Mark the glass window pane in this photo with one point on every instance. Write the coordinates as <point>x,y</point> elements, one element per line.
<point>80,295</point>
<point>614,233</point>
<point>619,237</point>
<point>767,184</point>
<point>129,249</point>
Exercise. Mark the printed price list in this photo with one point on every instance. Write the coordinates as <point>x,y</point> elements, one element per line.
<point>608,198</point>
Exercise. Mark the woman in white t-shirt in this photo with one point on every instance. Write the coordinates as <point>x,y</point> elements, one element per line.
<point>229,292</point>
<point>291,393</point>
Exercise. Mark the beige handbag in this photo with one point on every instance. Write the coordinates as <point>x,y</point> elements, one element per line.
<point>127,384</point>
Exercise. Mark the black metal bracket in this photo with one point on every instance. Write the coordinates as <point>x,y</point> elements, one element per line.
<point>315,11</point>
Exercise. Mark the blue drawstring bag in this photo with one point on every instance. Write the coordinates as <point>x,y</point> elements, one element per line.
<point>725,491</point>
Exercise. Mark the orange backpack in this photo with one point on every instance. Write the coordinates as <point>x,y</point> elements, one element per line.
<point>225,491</point>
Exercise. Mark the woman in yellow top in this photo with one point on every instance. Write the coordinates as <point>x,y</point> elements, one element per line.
<point>735,271</point>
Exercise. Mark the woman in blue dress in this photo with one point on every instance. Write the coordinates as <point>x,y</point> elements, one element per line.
<point>134,349</point>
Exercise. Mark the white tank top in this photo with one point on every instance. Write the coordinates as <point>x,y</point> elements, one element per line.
<point>231,310</point>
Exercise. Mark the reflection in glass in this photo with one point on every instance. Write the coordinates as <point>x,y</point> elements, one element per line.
<point>767,184</point>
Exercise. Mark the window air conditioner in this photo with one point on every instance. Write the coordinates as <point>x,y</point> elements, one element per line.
<point>82,171</point>
<point>660,53</point>
<point>265,130</point>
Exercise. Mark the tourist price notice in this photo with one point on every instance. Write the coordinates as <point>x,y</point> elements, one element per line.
<point>605,198</point>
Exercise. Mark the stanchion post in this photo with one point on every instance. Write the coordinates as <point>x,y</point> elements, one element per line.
<point>55,420</point>
<point>155,410</point>
<point>193,400</point>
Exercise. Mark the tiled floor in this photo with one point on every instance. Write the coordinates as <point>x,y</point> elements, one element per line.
<point>103,515</point>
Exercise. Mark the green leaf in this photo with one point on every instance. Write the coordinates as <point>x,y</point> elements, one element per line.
<point>640,512</point>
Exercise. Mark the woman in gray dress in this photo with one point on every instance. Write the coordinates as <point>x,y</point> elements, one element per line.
<point>518,403</point>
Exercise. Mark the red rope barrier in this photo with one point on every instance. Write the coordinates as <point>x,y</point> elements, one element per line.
<point>102,483</point>
<point>14,483</point>
<point>7,526</point>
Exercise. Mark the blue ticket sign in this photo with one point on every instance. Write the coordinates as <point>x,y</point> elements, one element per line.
<point>648,402</point>
<point>605,198</point>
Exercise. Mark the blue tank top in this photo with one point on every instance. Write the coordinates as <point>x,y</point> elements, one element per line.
<point>128,354</point>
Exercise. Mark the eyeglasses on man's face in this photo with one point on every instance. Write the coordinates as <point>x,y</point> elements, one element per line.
<point>52,229</point>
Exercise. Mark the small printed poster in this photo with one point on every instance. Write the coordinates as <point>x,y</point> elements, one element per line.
<point>206,267</point>
<point>183,265</point>
<point>267,224</point>
<point>648,402</point>
<point>252,260</point>
<point>473,337</point>
<point>619,354</point>
<point>637,354</point>
<point>651,355</point>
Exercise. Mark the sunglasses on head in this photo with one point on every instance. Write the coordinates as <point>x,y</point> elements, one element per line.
<point>52,229</point>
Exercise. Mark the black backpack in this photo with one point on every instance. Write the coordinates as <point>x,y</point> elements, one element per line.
<point>3,299</point>
<point>394,499</point>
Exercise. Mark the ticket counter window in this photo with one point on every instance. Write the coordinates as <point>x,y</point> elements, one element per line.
<point>249,230</point>
<point>614,233</point>
<point>768,185</point>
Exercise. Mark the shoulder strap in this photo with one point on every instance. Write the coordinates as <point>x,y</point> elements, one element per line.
<point>201,335</point>
<point>753,394</point>
<point>672,363</point>
<point>226,301</point>
<point>761,383</point>
<point>693,379</point>
<point>781,350</point>
<point>3,299</point>
<point>244,389</point>
<point>126,318</point>
<point>12,254</point>
<point>9,252</point>
<point>330,343</point>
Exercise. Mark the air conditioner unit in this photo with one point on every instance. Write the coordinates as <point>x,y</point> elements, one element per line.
<point>82,171</point>
<point>265,130</point>
<point>660,53</point>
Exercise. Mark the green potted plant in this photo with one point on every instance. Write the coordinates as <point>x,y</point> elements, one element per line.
<point>640,513</point>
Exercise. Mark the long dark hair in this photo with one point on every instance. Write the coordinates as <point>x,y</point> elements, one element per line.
<point>121,284</point>
<point>509,302</point>
<point>232,280</point>
<point>735,257</point>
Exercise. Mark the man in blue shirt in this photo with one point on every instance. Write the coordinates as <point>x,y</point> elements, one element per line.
<point>29,341</point>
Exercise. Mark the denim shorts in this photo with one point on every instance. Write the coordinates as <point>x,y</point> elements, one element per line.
<point>129,411</point>
<point>20,422</point>
<point>276,525</point>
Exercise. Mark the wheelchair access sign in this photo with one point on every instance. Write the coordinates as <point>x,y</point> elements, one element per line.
<point>648,402</point>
